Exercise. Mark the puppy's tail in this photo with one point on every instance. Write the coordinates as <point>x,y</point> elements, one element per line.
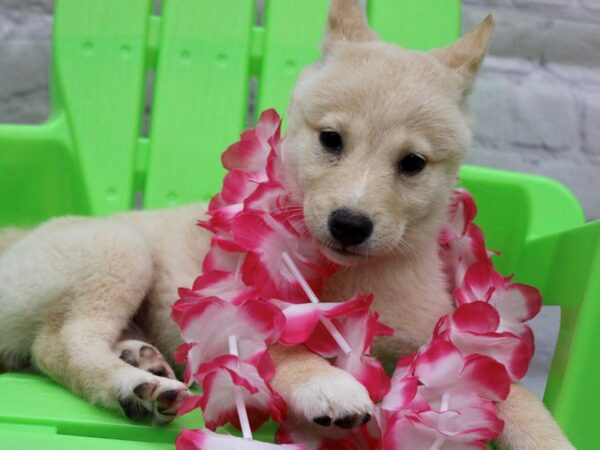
<point>9,236</point>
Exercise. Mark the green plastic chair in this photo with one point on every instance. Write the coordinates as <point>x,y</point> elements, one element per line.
<point>91,157</point>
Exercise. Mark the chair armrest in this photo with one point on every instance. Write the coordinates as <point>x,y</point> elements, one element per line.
<point>41,177</point>
<point>566,268</point>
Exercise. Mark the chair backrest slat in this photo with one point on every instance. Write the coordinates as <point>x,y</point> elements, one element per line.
<point>200,97</point>
<point>294,30</point>
<point>99,76</point>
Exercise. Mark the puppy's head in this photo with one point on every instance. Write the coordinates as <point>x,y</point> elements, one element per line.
<point>376,135</point>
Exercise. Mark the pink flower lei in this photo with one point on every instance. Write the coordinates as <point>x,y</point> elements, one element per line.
<point>257,278</point>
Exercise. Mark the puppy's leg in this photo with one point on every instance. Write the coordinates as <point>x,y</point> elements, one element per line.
<point>317,392</point>
<point>110,272</point>
<point>78,352</point>
<point>528,425</point>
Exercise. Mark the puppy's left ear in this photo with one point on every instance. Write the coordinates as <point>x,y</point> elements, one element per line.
<point>346,22</point>
<point>466,54</point>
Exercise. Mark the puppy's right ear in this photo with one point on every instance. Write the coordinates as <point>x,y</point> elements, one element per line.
<point>346,22</point>
<point>466,54</point>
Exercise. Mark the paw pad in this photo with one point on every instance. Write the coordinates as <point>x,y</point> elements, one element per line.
<point>144,391</point>
<point>146,357</point>
<point>133,409</point>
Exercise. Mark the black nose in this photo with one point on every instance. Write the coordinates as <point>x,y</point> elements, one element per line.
<point>349,228</point>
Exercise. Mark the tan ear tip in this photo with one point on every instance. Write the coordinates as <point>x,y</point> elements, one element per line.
<point>490,20</point>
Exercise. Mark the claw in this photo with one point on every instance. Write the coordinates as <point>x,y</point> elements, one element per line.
<point>346,422</point>
<point>324,421</point>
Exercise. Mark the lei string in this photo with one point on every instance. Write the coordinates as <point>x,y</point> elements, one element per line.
<point>260,285</point>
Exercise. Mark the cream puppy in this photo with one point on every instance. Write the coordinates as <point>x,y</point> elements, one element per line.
<point>375,138</point>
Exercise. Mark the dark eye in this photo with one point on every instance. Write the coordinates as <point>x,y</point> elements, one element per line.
<point>331,141</point>
<point>412,164</point>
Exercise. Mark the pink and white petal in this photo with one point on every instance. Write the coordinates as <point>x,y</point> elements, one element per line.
<point>264,364</point>
<point>481,280</point>
<point>238,185</point>
<point>264,319</point>
<point>523,331</point>
<point>225,285</point>
<point>455,399</point>
<point>271,279</point>
<point>209,280</point>
<point>220,259</point>
<point>229,366</point>
<point>300,323</point>
<point>264,266</point>
<point>189,404</point>
<point>365,437</point>
<point>181,352</point>
<point>439,365</point>
<point>460,254</point>
<point>518,302</point>
<point>250,231</point>
<point>360,326</point>
<point>407,434</point>
<point>402,394</point>
<point>216,202</point>
<point>469,426</point>
<point>508,349</point>
<point>477,243</point>
<point>195,357</point>
<point>476,317</point>
<point>301,319</point>
<point>183,310</point>
<point>211,321</point>
<point>382,329</point>
<point>322,343</point>
<point>219,386</point>
<point>220,218</point>
<point>274,164</point>
<point>267,197</point>
<point>204,439</point>
<point>461,212</point>
<point>268,126</point>
<point>266,239</point>
<point>249,153</point>
<point>486,376</point>
<point>447,430</point>
<point>288,434</point>
<point>371,374</point>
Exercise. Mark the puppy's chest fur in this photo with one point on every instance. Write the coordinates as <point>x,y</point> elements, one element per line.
<point>410,295</point>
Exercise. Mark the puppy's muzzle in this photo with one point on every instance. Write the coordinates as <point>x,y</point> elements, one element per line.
<point>349,228</point>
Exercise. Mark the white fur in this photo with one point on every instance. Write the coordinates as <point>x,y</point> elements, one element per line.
<point>359,189</point>
<point>330,396</point>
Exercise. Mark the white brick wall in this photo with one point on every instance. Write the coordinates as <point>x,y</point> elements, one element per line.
<point>537,102</point>
<point>25,30</point>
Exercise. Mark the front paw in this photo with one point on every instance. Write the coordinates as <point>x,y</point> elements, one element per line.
<point>141,393</point>
<point>334,398</point>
